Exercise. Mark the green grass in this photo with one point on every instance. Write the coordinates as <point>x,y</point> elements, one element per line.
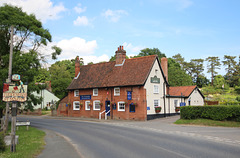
<point>31,144</point>
<point>207,122</point>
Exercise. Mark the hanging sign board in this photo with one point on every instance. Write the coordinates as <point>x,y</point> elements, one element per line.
<point>85,97</point>
<point>13,92</point>
<point>155,79</point>
<point>129,95</point>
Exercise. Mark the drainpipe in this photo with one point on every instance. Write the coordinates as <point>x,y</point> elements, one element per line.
<point>164,95</point>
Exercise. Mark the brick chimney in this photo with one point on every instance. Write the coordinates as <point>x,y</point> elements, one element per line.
<point>77,66</point>
<point>164,65</point>
<point>120,55</point>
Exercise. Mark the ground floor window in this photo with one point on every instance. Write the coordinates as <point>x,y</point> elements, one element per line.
<point>87,107</point>
<point>121,106</point>
<point>175,103</point>
<point>96,105</point>
<point>156,103</point>
<point>76,105</point>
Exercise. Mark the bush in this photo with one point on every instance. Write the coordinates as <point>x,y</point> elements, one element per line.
<point>2,143</point>
<point>238,98</point>
<point>218,113</point>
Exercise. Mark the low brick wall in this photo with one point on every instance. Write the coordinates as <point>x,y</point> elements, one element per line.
<point>211,102</point>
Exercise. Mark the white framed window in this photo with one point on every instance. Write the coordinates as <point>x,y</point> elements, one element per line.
<point>76,105</point>
<point>175,103</point>
<point>117,91</point>
<point>121,106</point>
<point>76,93</point>
<point>96,105</point>
<point>156,89</point>
<point>95,92</point>
<point>87,107</point>
<point>156,102</point>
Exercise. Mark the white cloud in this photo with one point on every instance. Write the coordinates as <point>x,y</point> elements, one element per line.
<point>76,46</point>
<point>132,50</point>
<point>79,9</point>
<point>94,59</point>
<point>81,21</point>
<point>114,15</point>
<point>43,9</point>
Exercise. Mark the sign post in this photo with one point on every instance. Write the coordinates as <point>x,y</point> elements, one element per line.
<point>14,93</point>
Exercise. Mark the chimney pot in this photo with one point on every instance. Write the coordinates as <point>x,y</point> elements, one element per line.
<point>120,55</point>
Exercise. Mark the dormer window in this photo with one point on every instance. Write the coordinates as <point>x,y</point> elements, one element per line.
<point>95,92</point>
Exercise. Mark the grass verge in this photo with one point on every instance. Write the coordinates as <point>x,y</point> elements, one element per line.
<point>207,122</point>
<point>31,144</point>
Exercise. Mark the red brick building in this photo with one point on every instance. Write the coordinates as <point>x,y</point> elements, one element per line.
<point>126,88</point>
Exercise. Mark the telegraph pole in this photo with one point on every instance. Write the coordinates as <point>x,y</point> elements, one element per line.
<point>9,80</point>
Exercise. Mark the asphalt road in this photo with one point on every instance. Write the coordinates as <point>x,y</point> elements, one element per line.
<point>119,140</point>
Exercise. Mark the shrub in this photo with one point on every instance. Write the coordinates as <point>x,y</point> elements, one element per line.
<point>219,113</point>
<point>2,143</point>
<point>238,98</point>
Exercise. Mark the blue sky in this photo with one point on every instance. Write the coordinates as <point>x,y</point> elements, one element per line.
<point>94,29</point>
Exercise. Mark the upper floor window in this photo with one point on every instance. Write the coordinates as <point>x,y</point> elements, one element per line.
<point>117,91</point>
<point>87,107</point>
<point>96,105</point>
<point>76,93</point>
<point>121,106</point>
<point>76,105</point>
<point>95,92</point>
<point>156,89</point>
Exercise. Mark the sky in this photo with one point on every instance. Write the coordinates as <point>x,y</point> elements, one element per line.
<point>94,29</point>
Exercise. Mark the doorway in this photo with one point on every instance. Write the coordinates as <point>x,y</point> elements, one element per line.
<point>107,106</point>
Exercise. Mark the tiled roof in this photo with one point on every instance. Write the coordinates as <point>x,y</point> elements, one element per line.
<point>184,91</point>
<point>133,72</point>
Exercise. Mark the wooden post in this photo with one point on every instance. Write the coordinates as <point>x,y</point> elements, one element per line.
<point>13,127</point>
<point>9,80</point>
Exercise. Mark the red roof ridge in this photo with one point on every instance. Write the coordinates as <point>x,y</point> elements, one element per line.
<point>149,56</point>
<point>184,86</point>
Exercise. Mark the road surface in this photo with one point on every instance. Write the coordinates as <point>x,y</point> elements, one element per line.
<point>121,140</point>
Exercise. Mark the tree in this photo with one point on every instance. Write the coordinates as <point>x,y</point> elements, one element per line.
<point>69,65</point>
<point>60,79</point>
<point>179,59</point>
<point>27,29</point>
<point>213,64</point>
<point>177,76</point>
<point>230,63</point>
<point>219,81</point>
<point>197,69</point>
<point>153,51</point>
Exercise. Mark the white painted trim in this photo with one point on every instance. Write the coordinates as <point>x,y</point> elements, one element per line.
<point>157,89</point>
<point>117,94</point>
<point>94,102</point>
<point>77,76</point>
<point>124,106</point>
<point>75,93</point>
<point>74,106</point>
<point>86,103</point>
<point>97,92</point>
<point>120,64</point>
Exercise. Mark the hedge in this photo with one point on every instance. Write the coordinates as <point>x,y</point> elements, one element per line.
<point>219,112</point>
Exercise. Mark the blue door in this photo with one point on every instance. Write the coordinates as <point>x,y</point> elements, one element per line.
<point>107,107</point>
